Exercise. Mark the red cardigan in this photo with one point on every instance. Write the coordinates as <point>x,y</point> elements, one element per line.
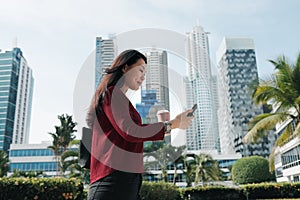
<point>118,136</point>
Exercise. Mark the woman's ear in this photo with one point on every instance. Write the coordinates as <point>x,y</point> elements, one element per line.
<point>125,69</point>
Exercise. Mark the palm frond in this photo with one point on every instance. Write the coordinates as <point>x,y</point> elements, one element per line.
<point>69,153</point>
<point>285,135</point>
<point>272,159</point>
<point>265,93</point>
<point>263,122</point>
<point>297,130</point>
<point>296,74</point>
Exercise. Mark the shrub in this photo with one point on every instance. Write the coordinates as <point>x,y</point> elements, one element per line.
<point>271,190</point>
<point>40,188</point>
<point>212,193</point>
<point>254,169</point>
<point>159,191</point>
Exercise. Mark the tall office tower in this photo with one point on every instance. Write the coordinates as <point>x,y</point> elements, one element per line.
<point>16,88</point>
<point>148,100</point>
<point>237,72</point>
<point>157,76</point>
<point>23,104</point>
<point>215,100</point>
<point>192,138</point>
<point>105,54</point>
<point>201,135</point>
<point>147,110</point>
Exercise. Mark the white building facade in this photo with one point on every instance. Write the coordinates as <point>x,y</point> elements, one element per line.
<point>105,54</point>
<point>23,104</point>
<point>237,71</point>
<point>32,157</point>
<point>157,77</point>
<point>203,134</point>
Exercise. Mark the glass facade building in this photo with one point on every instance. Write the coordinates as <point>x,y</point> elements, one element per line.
<point>105,53</point>
<point>148,100</point>
<point>9,67</point>
<point>237,70</point>
<point>16,87</point>
<point>203,134</point>
<point>157,77</point>
<point>32,157</point>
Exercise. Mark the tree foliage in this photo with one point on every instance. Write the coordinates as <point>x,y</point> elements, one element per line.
<point>164,156</point>
<point>207,169</point>
<point>283,91</point>
<point>253,169</point>
<point>63,135</point>
<point>3,163</point>
<point>27,174</point>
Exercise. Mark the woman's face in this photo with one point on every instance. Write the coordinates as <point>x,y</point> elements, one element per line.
<point>134,75</point>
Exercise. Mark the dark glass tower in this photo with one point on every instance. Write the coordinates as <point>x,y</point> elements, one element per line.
<point>10,62</point>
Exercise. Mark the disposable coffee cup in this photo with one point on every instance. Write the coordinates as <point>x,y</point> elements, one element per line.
<point>163,115</point>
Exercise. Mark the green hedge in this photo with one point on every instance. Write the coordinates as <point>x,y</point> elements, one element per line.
<point>249,191</point>
<point>61,188</point>
<point>40,188</point>
<point>272,190</point>
<point>159,191</point>
<point>212,193</point>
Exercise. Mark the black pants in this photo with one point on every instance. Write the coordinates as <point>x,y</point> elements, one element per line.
<point>118,185</point>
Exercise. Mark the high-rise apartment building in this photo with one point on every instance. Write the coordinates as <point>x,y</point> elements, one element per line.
<point>105,54</point>
<point>202,135</point>
<point>237,71</point>
<point>215,103</point>
<point>16,89</point>
<point>23,104</point>
<point>148,101</point>
<point>157,76</point>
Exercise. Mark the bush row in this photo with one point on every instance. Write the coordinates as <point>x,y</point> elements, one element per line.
<point>40,188</point>
<point>159,191</point>
<point>163,191</point>
<point>271,190</point>
<point>61,188</point>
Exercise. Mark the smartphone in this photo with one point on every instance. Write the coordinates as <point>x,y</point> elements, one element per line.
<point>193,108</point>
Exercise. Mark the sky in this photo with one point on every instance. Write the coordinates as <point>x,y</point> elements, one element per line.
<point>57,37</point>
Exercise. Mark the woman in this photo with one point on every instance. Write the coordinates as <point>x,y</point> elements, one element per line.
<point>118,132</point>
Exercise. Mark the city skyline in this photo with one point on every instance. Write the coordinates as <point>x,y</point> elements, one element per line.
<point>56,40</point>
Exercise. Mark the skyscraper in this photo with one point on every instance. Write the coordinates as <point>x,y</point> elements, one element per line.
<point>237,70</point>
<point>23,104</point>
<point>202,135</point>
<point>105,54</point>
<point>16,88</point>
<point>148,100</point>
<point>157,76</point>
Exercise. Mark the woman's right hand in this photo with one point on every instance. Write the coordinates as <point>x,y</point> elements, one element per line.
<point>182,121</point>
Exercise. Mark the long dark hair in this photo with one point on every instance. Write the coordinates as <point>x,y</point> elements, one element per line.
<point>112,77</point>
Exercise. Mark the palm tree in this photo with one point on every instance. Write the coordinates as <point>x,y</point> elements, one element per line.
<point>3,163</point>
<point>189,169</point>
<point>69,162</point>
<point>206,168</point>
<point>283,91</point>
<point>166,155</point>
<point>56,148</point>
<point>62,137</point>
<point>176,155</point>
<point>67,129</point>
